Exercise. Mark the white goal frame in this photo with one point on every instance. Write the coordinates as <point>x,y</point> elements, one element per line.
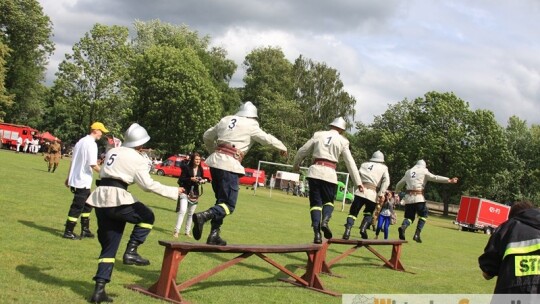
<point>345,191</point>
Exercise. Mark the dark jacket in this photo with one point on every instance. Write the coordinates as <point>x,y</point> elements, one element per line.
<point>185,178</point>
<point>513,254</point>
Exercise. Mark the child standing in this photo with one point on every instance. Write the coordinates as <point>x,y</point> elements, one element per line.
<point>385,215</point>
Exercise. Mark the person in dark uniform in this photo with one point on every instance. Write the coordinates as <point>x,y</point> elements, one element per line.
<point>115,206</point>
<point>228,141</point>
<point>326,147</point>
<point>512,253</point>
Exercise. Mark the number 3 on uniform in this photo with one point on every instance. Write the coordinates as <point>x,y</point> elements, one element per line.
<point>232,124</point>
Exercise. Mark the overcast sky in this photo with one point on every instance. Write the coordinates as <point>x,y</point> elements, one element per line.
<point>487,51</point>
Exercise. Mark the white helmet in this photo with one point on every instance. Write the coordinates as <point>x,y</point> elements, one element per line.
<point>247,109</point>
<point>135,136</point>
<point>378,157</point>
<point>421,163</point>
<point>339,123</point>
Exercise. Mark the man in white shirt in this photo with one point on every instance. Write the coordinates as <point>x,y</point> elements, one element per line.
<point>375,179</point>
<point>326,147</point>
<point>19,143</point>
<point>79,181</point>
<point>228,141</point>
<point>416,179</point>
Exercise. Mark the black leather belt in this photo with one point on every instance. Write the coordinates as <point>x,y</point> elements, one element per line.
<point>111,182</point>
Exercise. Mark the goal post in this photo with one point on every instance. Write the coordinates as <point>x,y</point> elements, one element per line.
<point>345,191</point>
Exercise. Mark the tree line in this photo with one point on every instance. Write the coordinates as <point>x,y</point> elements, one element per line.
<point>172,81</point>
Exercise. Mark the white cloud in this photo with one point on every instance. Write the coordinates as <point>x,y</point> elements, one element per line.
<point>483,51</point>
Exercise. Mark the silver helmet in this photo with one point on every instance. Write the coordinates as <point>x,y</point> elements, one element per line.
<point>421,163</point>
<point>339,123</point>
<point>135,136</point>
<point>378,157</point>
<point>247,109</point>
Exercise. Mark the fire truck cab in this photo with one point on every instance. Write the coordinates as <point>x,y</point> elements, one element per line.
<point>10,132</point>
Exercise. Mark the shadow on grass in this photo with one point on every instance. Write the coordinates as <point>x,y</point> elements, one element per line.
<point>41,170</point>
<point>170,209</point>
<point>50,230</point>
<point>203,285</point>
<point>149,277</point>
<point>82,288</point>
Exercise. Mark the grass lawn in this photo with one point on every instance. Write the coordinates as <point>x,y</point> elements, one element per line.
<point>39,266</point>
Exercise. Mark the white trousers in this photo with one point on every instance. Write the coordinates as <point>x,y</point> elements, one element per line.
<point>185,207</point>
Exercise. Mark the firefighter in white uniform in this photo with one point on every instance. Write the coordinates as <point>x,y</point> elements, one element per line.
<point>375,179</point>
<point>228,141</point>
<point>415,203</point>
<point>326,147</point>
<point>115,206</point>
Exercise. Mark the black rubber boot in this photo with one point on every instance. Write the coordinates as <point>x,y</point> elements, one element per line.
<point>215,239</point>
<point>366,221</point>
<point>325,228</point>
<point>68,232</point>
<point>99,294</point>
<point>198,222</point>
<point>416,236</point>
<point>317,239</point>
<point>131,257</point>
<point>347,233</point>
<point>85,228</point>
<point>401,231</point>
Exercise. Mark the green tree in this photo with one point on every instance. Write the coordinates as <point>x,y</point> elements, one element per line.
<point>320,93</point>
<point>220,69</point>
<point>523,168</point>
<point>6,100</point>
<point>269,85</point>
<point>175,100</point>
<point>453,140</point>
<point>93,84</point>
<point>27,31</point>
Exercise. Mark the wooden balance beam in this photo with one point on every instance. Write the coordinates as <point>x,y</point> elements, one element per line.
<point>167,289</point>
<point>394,262</point>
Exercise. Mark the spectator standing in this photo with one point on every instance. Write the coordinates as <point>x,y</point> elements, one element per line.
<point>228,141</point>
<point>35,145</point>
<point>325,147</point>
<point>415,179</point>
<point>54,152</point>
<point>385,216</point>
<point>190,179</point>
<point>26,143</point>
<point>19,143</point>
<point>79,181</point>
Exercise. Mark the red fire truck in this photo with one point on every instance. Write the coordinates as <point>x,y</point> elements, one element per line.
<point>172,165</point>
<point>480,214</point>
<point>10,132</point>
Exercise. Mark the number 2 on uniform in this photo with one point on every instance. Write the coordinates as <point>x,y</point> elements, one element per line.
<point>232,124</point>
<point>328,141</point>
<point>413,174</point>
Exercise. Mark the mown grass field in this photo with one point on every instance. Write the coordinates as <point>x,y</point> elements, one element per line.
<point>39,266</point>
